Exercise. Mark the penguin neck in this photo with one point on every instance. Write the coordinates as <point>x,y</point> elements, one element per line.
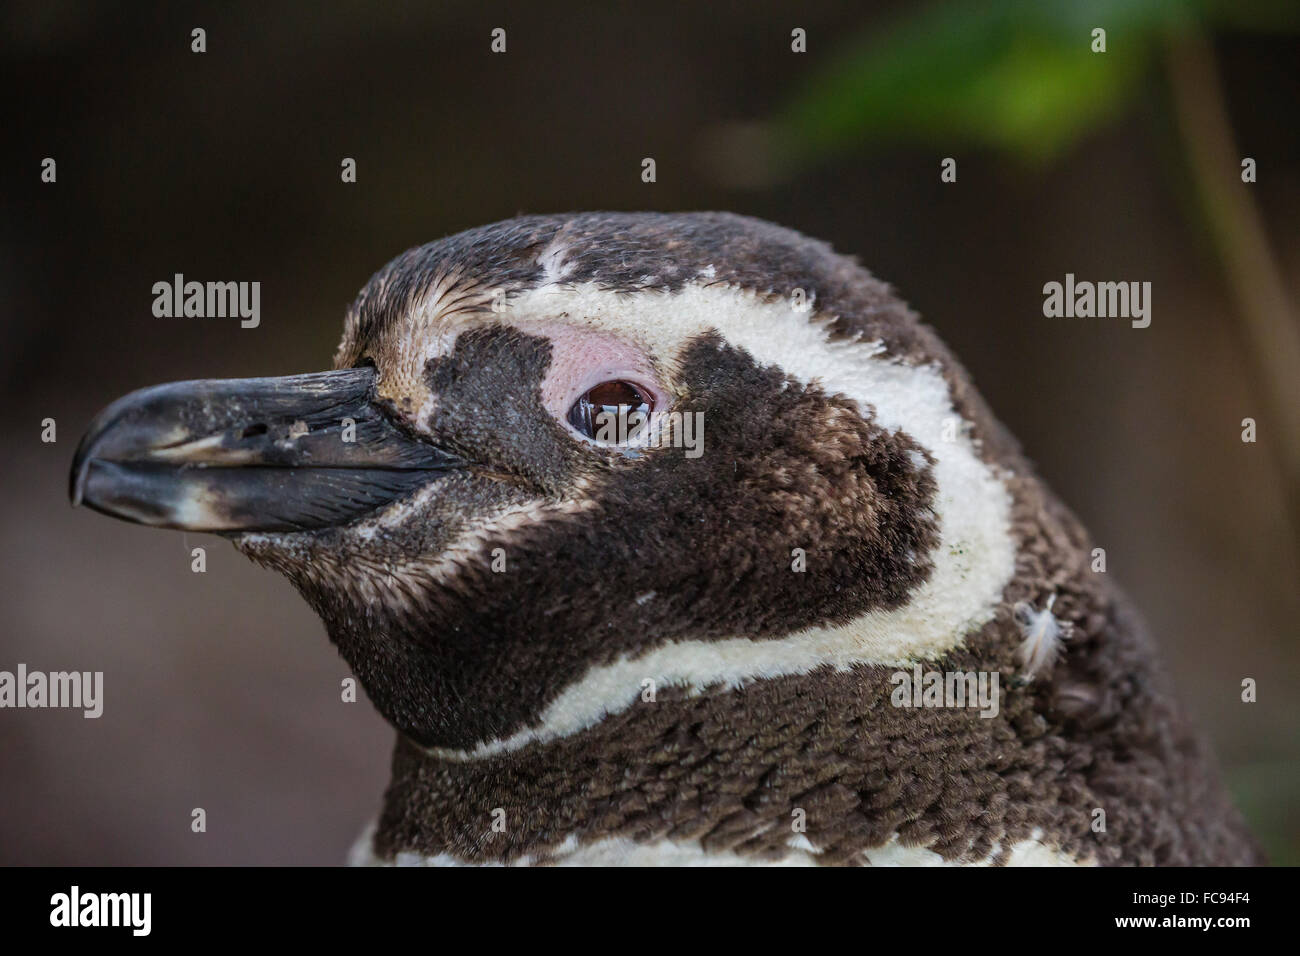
<point>752,771</point>
<point>834,763</point>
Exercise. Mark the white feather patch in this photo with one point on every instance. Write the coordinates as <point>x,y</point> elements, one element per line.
<point>616,851</point>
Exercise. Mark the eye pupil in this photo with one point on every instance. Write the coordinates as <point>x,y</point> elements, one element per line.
<point>611,411</point>
<point>614,393</point>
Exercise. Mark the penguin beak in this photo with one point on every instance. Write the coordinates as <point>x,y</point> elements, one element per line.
<point>256,454</point>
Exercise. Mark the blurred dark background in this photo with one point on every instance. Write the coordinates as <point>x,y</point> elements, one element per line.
<point>221,689</point>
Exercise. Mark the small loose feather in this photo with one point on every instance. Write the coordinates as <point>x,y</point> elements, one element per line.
<point>1044,636</point>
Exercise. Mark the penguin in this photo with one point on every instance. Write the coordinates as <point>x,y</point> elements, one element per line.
<point>679,539</point>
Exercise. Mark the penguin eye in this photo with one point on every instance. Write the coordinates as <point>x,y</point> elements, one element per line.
<point>613,412</point>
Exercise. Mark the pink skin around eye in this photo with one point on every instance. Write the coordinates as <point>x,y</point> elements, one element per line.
<point>581,360</point>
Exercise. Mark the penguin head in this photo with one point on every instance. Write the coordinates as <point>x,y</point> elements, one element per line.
<point>562,457</point>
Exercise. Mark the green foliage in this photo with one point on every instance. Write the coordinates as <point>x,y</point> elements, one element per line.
<point>1015,75</point>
